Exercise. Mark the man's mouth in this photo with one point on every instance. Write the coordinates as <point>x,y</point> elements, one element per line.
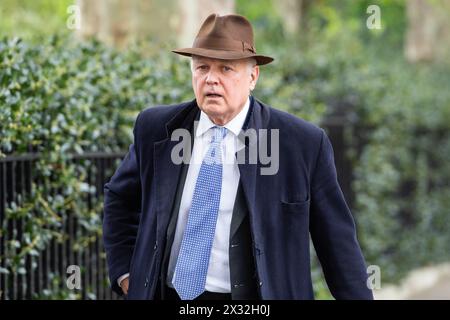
<point>213,95</point>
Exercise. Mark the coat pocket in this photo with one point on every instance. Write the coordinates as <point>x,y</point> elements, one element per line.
<point>295,207</point>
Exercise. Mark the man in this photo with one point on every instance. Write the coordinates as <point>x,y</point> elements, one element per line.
<point>221,224</point>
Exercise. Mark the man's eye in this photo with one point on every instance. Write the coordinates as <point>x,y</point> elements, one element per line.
<point>226,68</point>
<point>203,67</point>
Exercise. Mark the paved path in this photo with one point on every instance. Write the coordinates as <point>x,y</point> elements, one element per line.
<point>430,283</point>
<point>439,291</point>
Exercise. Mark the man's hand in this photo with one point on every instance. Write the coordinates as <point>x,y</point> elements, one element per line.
<point>124,285</point>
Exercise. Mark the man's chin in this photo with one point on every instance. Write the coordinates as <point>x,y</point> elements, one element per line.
<point>213,108</point>
<point>213,101</point>
<point>216,114</point>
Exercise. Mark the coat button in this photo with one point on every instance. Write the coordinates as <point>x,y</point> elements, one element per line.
<point>260,283</point>
<point>146,282</point>
<point>156,245</point>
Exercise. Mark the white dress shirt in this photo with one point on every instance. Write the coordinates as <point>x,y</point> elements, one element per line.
<point>218,275</point>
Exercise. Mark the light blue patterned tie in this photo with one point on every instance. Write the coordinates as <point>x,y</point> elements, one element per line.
<point>193,259</point>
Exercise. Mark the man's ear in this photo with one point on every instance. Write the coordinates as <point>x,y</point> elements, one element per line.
<point>254,77</point>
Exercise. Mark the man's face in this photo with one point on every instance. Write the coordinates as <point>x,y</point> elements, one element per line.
<point>222,87</point>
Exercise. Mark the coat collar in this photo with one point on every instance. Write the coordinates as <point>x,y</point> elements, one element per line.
<point>257,117</point>
<point>184,118</point>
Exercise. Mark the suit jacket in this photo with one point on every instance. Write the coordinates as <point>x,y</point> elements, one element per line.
<point>302,199</point>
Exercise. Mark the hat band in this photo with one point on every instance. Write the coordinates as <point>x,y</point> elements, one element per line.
<point>225,44</point>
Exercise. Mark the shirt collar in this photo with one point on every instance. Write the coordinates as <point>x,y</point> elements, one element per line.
<point>234,125</point>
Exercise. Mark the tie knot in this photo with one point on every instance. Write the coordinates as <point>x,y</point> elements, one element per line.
<point>218,134</point>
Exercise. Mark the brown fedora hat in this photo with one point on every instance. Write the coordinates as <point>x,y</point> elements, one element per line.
<point>227,37</point>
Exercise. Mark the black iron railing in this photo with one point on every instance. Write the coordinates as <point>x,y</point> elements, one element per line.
<point>16,176</point>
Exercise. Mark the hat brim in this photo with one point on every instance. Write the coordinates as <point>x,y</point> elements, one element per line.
<point>223,54</point>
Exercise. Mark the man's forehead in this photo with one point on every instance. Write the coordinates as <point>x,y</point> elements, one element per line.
<point>214,60</point>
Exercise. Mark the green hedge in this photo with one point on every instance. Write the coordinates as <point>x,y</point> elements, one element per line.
<point>402,176</point>
<point>63,98</point>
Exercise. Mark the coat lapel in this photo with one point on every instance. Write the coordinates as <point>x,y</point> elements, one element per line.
<point>166,172</point>
<point>257,118</point>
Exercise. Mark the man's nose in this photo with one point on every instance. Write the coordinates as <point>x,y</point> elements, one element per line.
<point>211,77</point>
